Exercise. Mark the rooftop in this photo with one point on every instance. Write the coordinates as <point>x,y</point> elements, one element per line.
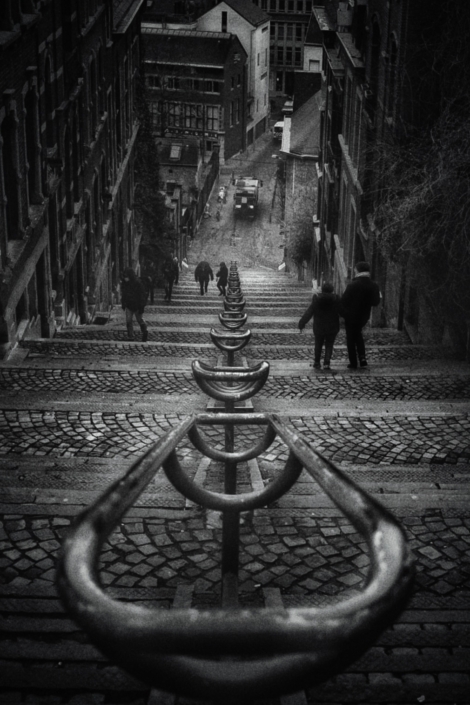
<point>187,47</point>
<point>178,151</point>
<point>248,10</point>
<point>305,129</point>
<point>124,12</point>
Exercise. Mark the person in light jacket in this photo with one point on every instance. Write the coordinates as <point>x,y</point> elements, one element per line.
<point>356,302</point>
<point>324,310</point>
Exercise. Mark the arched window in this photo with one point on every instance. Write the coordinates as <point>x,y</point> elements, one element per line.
<point>392,76</point>
<point>50,103</point>
<point>33,146</point>
<point>68,173</point>
<point>375,59</point>
<point>118,114</point>
<point>11,177</point>
<point>93,96</point>
<point>76,157</point>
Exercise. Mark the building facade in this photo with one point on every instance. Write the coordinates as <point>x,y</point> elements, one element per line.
<point>251,25</point>
<point>68,132</point>
<point>375,55</point>
<point>288,29</point>
<point>197,87</point>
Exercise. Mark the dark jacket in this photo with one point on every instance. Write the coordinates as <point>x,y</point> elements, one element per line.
<point>203,271</point>
<point>325,311</point>
<point>170,270</point>
<point>133,292</point>
<point>357,300</point>
<point>222,275</point>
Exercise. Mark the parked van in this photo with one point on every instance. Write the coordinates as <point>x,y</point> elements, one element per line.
<point>278,130</point>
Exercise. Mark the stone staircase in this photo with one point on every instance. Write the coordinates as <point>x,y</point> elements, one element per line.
<point>75,412</point>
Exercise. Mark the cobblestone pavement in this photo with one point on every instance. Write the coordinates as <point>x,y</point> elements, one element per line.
<point>306,386</point>
<point>76,411</point>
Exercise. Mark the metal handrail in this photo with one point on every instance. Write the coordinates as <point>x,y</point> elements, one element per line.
<point>234,305</point>
<point>232,319</point>
<point>185,651</point>
<point>230,342</point>
<point>230,383</point>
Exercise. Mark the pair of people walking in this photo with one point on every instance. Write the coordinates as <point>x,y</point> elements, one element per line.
<point>203,273</point>
<point>354,306</point>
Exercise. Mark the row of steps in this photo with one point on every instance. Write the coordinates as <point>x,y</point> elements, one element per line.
<point>77,410</point>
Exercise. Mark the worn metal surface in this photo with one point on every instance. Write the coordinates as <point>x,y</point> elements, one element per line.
<point>268,651</point>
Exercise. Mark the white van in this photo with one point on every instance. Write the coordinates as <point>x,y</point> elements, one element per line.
<point>278,130</point>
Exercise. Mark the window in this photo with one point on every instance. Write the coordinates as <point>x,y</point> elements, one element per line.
<point>193,116</point>
<point>272,5</point>
<point>173,114</point>
<point>232,113</point>
<point>314,65</point>
<point>153,82</point>
<point>298,56</point>
<point>155,111</point>
<point>32,141</point>
<point>175,152</point>
<point>290,5</point>
<point>237,110</point>
<point>280,55</point>
<point>299,32</point>
<point>264,4</point>
<point>282,5</point>
<point>232,83</point>
<point>290,30</point>
<point>239,79</point>
<point>212,87</point>
<point>266,57</point>
<point>224,22</point>
<point>257,59</point>
<point>10,176</point>
<point>308,7</point>
<point>289,55</point>
<point>212,117</point>
<point>173,83</point>
<point>257,106</point>
<point>280,31</point>
<point>272,30</point>
<point>300,5</point>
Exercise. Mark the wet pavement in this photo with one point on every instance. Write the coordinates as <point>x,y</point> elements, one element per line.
<point>76,411</point>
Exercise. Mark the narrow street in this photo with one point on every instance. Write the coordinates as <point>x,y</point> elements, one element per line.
<point>251,243</point>
<point>77,410</point>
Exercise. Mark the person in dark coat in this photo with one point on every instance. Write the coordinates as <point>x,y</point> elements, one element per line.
<point>202,274</point>
<point>133,299</point>
<point>222,278</point>
<point>169,277</point>
<point>324,309</point>
<point>356,303</point>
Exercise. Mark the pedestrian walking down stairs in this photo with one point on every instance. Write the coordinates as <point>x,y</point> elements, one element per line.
<point>78,409</point>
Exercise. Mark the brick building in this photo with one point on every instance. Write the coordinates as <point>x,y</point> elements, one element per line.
<point>197,86</point>
<point>377,84</point>
<point>67,135</point>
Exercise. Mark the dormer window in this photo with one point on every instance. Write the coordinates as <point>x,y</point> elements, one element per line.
<point>175,152</point>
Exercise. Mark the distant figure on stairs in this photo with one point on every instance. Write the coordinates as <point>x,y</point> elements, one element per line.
<point>169,277</point>
<point>202,273</point>
<point>222,278</point>
<point>133,299</point>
